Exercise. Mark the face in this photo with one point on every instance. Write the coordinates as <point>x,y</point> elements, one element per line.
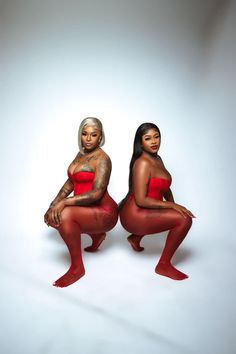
<point>151,141</point>
<point>90,137</point>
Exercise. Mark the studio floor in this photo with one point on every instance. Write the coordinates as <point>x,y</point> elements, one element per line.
<point>120,305</point>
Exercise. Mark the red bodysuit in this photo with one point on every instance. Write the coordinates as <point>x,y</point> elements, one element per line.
<point>140,221</point>
<point>94,219</point>
<point>137,220</point>
<point>106,206</point>
<point>157,187</point>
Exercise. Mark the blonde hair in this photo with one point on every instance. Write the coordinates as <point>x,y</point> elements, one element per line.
<point>94,122</point>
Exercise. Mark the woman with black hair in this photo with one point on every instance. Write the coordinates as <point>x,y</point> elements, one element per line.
<point>143,211</point>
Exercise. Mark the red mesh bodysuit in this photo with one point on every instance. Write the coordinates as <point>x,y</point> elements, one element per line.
<point>141,221</point>
<point>138,220</point>
<point>83,182</point>
<point>94,219</point>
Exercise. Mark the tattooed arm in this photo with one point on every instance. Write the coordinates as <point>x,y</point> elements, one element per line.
<point>68,186</point>
<point>101,180</point>
<point>50,215</point>
<point>65,190</point>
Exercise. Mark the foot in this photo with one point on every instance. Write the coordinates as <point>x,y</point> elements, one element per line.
<point>70,277</point>
<point>97,240</point>
<point>134,240</point>
<point>168,270</point>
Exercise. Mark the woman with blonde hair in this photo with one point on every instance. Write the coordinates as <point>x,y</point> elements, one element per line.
<point>90,210</point>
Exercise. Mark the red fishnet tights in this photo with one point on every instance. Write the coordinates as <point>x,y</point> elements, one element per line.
<point>140,221</point>
<point>76,220</point>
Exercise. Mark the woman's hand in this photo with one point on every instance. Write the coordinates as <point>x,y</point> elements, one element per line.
<point>53,214</point>
<point>46,216</point>
<point>182,210</point>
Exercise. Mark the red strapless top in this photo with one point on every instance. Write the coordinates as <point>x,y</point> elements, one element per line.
<point>157,187</point>
<point>82,180</point>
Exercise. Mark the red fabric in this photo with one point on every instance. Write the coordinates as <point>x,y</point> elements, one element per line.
<point>83,181</point>
<point>141,221</point>
<point>94,219</point>
<point>157,187</point>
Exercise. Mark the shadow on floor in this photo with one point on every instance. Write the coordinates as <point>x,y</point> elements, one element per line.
<point>153,245</point>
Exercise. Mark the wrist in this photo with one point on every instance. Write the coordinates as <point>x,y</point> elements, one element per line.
<point>66,202</point>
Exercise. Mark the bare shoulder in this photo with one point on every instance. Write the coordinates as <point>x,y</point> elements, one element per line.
<point>142,163</point>
<point>103,156</point>
<point>103,160</point>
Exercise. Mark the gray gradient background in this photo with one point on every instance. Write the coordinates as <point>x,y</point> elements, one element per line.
<point>125,62</point>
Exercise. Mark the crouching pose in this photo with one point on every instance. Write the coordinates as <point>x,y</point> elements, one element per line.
<point>90,210</point>
<point>144,211</point>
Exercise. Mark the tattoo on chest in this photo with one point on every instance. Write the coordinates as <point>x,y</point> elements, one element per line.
<point>86,163</point>
<point>86,168</point>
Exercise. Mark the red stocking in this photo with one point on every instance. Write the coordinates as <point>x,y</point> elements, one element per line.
<point>141,221</point>
<point>174,238</point>
<point>134,240</point>
<point>71,234</point>
<point>97,240</point>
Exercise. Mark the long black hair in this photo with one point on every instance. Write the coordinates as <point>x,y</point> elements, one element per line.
<point>137,151</point>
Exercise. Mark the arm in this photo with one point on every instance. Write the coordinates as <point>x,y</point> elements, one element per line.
<point>101,180</point>
<point>169,196</point>
<point>65,190</point>
<point>141,175</point>
<point>67,187</point>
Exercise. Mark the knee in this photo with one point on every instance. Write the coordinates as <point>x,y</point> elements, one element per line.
<point>53,225</point>
<point>68,221</point>
<point>66,216</point>
<point>185,221</point>
<point>188,222</point>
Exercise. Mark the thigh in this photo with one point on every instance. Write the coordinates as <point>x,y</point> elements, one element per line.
<point>91,219</point>
<point>159,220</point>
<point>142,221</point>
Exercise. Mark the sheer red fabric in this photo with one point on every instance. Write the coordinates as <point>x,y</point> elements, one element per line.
<point>95,219</point>
<point>142,221</point>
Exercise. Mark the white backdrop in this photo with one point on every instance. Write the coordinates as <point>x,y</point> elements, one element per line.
<point>125,62</point>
